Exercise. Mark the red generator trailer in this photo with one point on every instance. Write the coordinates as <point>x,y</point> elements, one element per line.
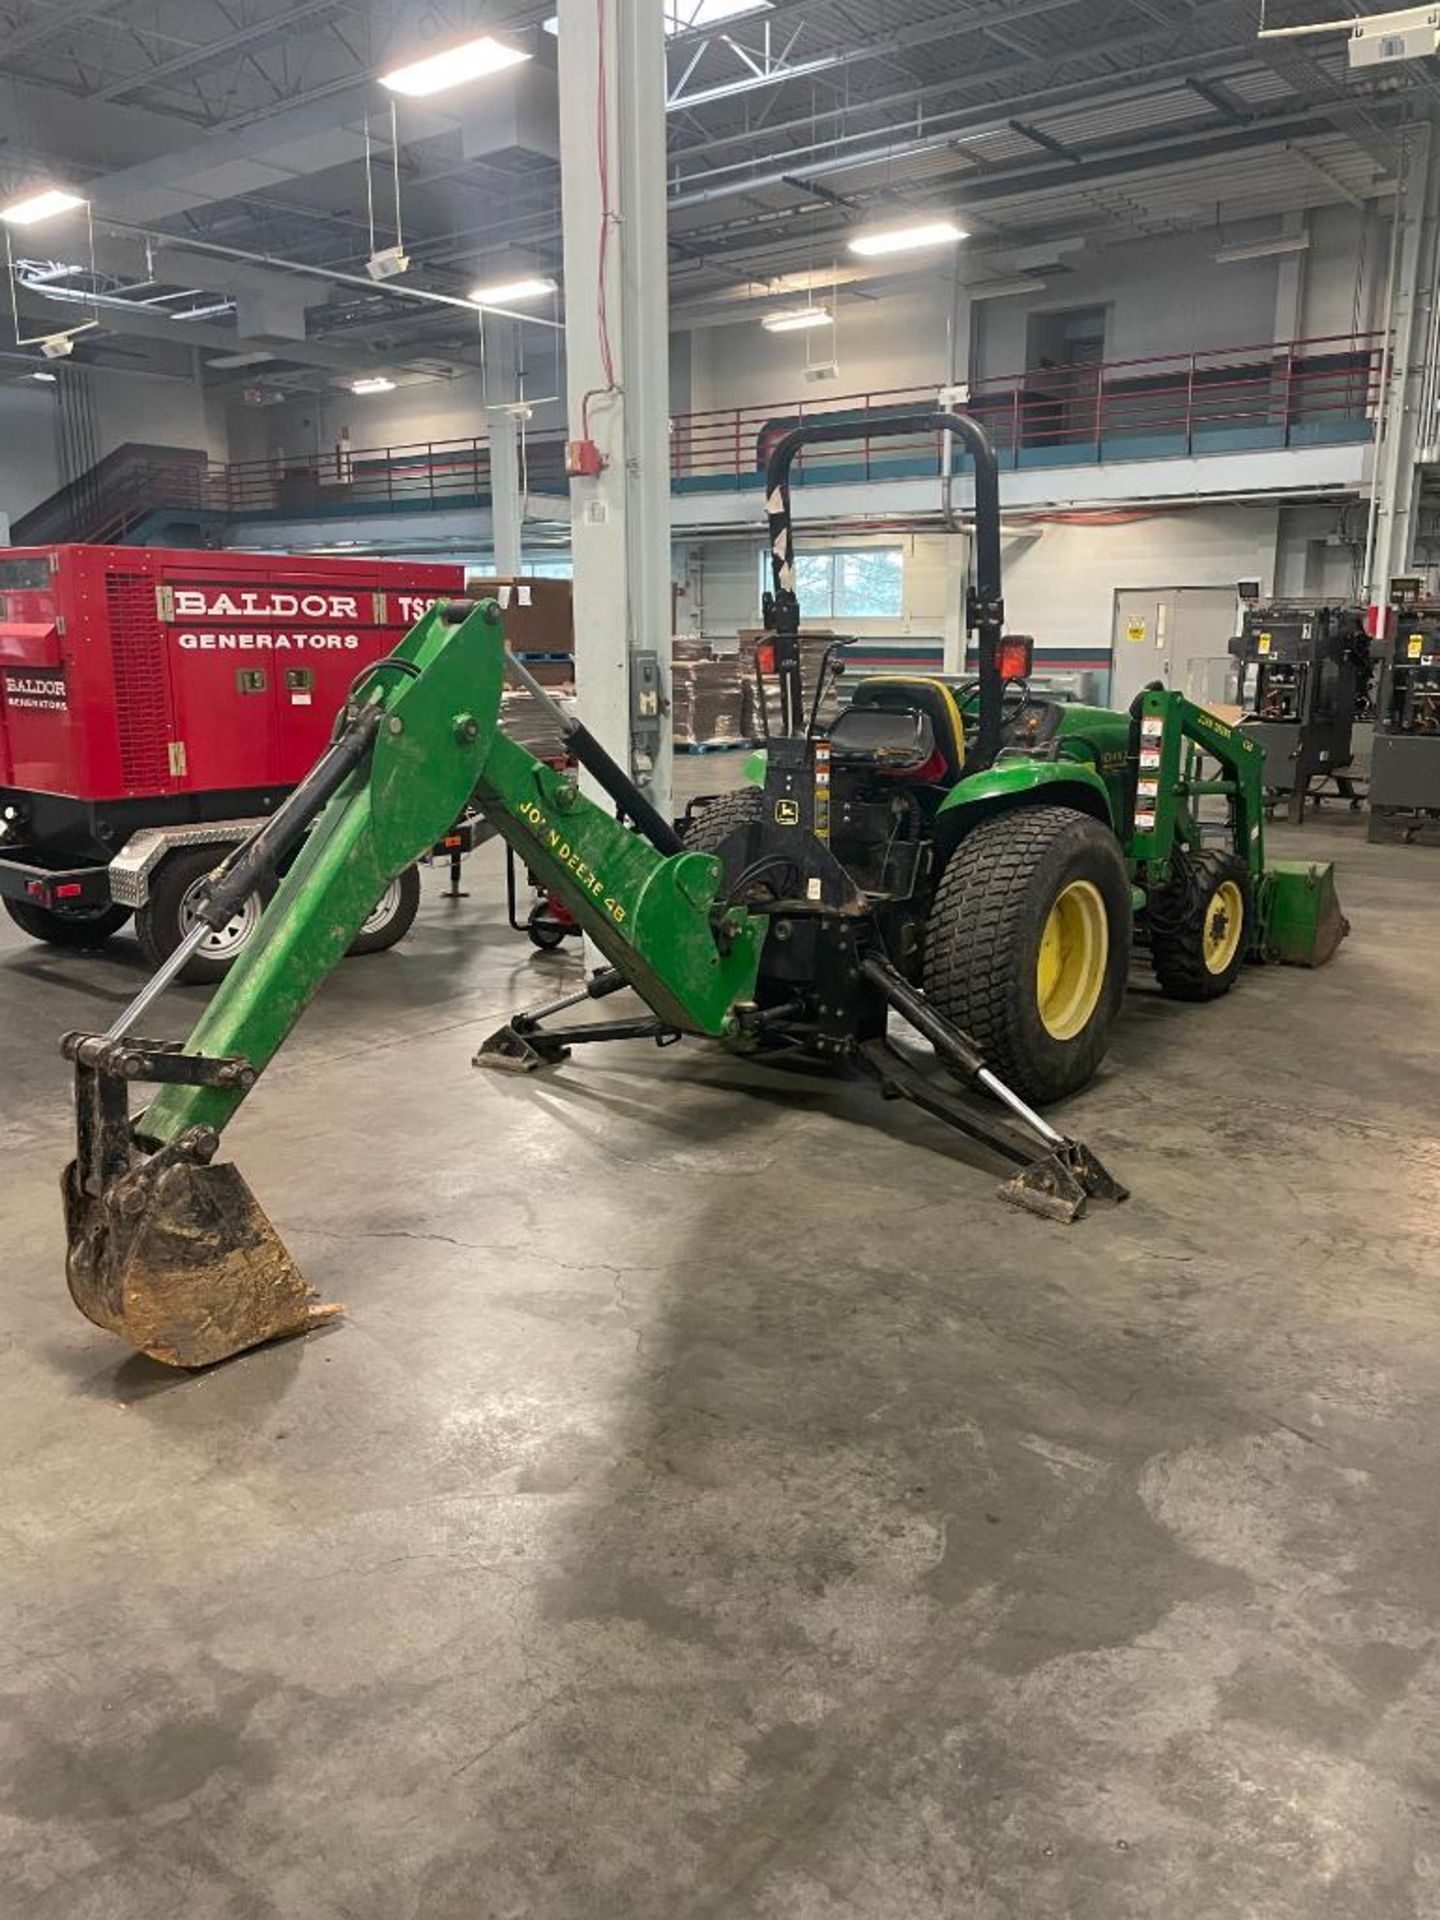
<point>155,705</point>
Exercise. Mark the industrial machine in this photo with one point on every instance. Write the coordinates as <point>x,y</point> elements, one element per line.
<point>1304,671</point>
<point>965,859</point>
<point>1405,776</point>
<point>155,705</point>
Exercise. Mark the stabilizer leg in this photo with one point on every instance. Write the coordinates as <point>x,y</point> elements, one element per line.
<point>1057,1175</point>
<point>520,1046</point>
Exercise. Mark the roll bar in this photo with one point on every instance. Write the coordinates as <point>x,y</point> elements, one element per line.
<point>984,604</point>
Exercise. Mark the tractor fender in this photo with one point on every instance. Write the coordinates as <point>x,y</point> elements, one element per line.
<point>1022,783</point>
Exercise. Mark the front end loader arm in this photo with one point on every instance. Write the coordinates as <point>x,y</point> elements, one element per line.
<point>1298,919</point>
<point>175,1254</point>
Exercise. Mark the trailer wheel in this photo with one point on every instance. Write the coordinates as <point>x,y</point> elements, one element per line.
<point>1028,946</point>
<point>1201,928</point>
<point>393,915</point>
<point>171,911</point>
<point>76,927</point>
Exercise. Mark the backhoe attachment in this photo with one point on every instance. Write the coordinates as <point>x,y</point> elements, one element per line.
<point>174,1253</point>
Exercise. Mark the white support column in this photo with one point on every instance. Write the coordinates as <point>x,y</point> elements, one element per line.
<point>506,505</point>
<point>1392,540</point>
<point>960,371</point>
<point>1290,282</point>
<point>612,152</point>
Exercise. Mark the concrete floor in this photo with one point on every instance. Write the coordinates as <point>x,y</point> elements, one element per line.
<point>716,1503</point>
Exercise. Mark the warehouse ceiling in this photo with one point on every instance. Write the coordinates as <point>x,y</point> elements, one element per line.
<point>218,139</point>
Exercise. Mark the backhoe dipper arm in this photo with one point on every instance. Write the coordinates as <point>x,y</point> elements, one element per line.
<point>175,1254</point>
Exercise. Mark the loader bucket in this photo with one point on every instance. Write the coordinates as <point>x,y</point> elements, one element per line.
<point>179,1260</point>
<point>1303,921</point>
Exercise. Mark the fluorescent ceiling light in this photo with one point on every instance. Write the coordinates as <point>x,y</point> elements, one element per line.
<point>39,206</point>
<point>926,233</point>
<point>48,378</point>
<point>504,292</point>
<point>798,320</point>
<point>1262,249</point>
<point>224,361</point>
<point>377,384</point>
<point>474,60</point>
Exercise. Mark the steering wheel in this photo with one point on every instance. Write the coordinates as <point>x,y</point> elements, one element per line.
<point>1014,699</point>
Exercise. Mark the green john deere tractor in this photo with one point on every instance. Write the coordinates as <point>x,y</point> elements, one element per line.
<point>1006,844</point>
<point>969,858</point>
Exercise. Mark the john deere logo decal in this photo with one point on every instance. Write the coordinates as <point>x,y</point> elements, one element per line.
<point>787,813</point>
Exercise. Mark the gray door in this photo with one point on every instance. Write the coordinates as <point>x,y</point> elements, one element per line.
<point>1178,635</point>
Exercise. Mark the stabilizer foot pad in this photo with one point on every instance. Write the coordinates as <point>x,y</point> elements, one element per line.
<point>1058,1186</point>
<point>508,1051</point>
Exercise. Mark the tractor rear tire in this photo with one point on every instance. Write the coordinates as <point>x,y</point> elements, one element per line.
<point>727,813</point>
<point>1201,929</point>
<point>1028,946</point>
<point>82,928</point>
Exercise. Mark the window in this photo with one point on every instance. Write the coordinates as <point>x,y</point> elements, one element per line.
<point>869,583</point>
<point>549,569</point>
<point>847,583</point>
<point>1073,337</point>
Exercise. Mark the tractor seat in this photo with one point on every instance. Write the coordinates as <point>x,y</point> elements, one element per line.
<point>930,698</point>
<point>895,740</point>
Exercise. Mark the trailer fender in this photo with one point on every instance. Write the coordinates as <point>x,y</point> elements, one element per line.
<point>133,868</point>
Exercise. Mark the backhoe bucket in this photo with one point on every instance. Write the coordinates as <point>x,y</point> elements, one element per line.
<point>171,1253</point>
<point>1303,921</point>
<point>181,1261</point>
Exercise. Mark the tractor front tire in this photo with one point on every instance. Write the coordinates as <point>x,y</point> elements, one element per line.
<point>83,928</point>
<point>1028,946</point>
<point>1202,927</point>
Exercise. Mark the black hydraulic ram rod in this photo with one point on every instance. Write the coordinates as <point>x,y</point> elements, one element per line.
<point>287,826</point>
<point>595,760</point>
<point>985,607</point>
<point>245,868</point>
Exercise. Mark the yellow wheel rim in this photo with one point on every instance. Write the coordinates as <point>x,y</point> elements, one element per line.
<point>1070,970</point>
<point>1224,926</point>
